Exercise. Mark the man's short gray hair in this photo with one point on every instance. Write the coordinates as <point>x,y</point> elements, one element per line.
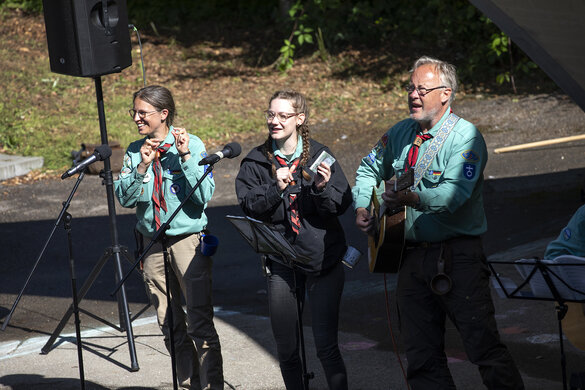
<point>447,72</point>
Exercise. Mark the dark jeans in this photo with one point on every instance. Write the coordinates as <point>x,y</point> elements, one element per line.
<point>468,305</point>
<point>324,296</point>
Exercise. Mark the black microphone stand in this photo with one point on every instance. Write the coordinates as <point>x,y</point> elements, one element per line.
<point>298,294</point>
<point>265,239</point>
<point>67,225</point>
<point>66,218</point>
<point>160,235</point>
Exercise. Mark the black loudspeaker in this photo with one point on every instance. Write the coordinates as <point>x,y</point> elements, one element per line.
<point>87,38</point>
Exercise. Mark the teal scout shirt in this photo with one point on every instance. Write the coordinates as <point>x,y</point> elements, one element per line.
<point>571,240</point>
<point>135,190</point>
<point>451,201</point>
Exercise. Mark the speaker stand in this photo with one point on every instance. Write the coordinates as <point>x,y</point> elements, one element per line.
<point>115,250</point>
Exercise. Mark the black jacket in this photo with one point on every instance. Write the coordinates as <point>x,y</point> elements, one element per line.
<point>321,237</point>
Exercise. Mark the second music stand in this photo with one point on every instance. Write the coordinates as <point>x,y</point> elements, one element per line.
<point>265,239</point>
<point>560,280</point>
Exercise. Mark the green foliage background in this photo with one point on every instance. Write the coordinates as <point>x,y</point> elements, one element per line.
<point>451,29</point>
<point>374,41</point>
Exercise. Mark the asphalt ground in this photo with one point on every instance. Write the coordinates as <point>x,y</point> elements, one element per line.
<point>529,196</point>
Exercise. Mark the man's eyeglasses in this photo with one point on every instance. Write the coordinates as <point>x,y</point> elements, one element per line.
<point>281,116</point>
<point>422,91</point>
<point>141,114</point>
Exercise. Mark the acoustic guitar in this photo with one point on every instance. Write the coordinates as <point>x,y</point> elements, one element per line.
<point>574,324</point>
<point>386,243</point>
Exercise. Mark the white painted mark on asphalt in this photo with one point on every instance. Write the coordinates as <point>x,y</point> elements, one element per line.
<point>11,349</point>
<point>543,338</point>
<point>15,348</point>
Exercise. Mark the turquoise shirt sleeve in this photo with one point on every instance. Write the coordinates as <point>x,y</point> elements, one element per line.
<point>571,240</point>
<point>455,172</point>
<point>128,188</point>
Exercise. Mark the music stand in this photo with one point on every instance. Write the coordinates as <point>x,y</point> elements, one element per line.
<point>265,239</point>
<point>549,280</point>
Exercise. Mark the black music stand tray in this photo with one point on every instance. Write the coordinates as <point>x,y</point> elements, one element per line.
<point>265,239</point>
<point>548,280</point>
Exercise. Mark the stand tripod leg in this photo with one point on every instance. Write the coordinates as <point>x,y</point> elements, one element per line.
<point>67,225</point>
<point>124,313</point>
<point>171,320</point>
<point>90,279</point>
<point>561,311</point>
<point>306,375</point>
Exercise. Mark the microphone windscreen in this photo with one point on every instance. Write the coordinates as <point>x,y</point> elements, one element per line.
<point>235,148</point>
<point>103,151</point>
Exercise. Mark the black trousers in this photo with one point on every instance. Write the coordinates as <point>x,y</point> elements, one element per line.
<point>324,296</point>
<point>468,305</point>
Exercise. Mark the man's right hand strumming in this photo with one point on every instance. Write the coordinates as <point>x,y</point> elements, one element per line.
<point>363,220</point>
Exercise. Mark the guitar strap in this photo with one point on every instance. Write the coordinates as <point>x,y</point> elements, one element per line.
<point>436,145</point>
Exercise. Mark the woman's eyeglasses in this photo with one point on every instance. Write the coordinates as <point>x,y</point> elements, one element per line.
<point>141,114</point>
<point>280,116</point>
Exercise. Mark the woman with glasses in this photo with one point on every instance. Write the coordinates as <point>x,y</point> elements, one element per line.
<point>159,171</point>
<point>293,182</point>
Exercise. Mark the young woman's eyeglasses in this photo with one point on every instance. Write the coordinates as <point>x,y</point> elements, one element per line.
<point>141,114</point>
<point>280,116</point>
<point>422,91</point>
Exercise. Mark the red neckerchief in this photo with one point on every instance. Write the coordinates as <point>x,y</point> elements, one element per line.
<point>158,197</point>
<point>295,221</point>
<point>413,152</point>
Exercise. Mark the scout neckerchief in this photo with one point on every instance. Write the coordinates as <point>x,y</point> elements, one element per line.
<point>294,208</point>
<point>414,148</point>
<point>158,197</point>
<point>433,148</point>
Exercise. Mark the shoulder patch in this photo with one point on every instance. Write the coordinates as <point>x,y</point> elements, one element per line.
<point>125,171</point>
<point>470,155</point>
<point>378,150</point>
<point>469,171</point>
<point>127,161</point>
<point>567,234</point>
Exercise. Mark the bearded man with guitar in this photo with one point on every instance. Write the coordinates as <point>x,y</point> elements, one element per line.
<point>442,269</point>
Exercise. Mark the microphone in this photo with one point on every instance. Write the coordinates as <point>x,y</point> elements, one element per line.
<point>101,153</point>
<point>231,150</point>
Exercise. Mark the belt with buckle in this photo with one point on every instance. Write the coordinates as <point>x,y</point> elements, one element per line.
<point>436,244</point>
<point>422,244</point>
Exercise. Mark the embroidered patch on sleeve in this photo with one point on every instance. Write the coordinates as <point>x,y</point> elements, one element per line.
<point>126,168</point>
<point>470,155</point>
<point>469,171</point>
<point>567,234</point>
<point>371,158</point>
<point>378,150</point>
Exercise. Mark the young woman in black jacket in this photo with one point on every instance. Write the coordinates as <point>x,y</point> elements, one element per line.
<point>275,184</point>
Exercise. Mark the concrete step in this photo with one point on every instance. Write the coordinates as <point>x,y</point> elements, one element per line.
<point>12,166</point>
